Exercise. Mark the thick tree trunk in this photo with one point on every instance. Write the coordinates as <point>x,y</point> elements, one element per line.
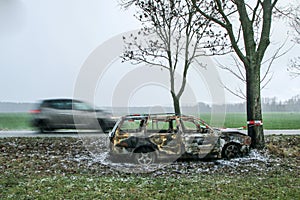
<point>176,104</point>
<point>254,113</point>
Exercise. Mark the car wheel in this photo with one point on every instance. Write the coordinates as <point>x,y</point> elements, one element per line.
<point>42,130</point>
<point>44,127</point>
<point>231,150</point>
<point>145,157</point>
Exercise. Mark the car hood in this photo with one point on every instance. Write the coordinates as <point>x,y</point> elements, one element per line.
<point>235,131</point>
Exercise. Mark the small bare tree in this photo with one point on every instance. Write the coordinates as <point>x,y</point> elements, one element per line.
<point>173,37</point>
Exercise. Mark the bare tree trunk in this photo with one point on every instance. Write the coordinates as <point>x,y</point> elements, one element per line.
<point>176,103</point>
<point>254,113</point>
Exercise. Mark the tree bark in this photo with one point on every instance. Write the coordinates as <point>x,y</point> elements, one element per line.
<point>254,113</point>
<point>176,103</point>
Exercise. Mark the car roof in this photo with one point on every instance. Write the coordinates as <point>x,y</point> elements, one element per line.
<point>164,116</point>
<point>158,115</point>
<point>60,99</point>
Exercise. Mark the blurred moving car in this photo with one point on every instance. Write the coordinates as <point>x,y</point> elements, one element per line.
<point>148,138</point>
<point>53,114</point>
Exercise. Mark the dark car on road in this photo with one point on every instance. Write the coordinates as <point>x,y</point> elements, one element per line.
<point>53,114</point>
<point>148,138</point>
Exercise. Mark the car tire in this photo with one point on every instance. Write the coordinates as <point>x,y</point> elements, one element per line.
<point>231,150</point>
<point>144,156</point>
<point>42,130</point>
<point>44,126</point>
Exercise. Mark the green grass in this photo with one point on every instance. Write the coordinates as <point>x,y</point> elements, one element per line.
<point>15,121</point>
<point>281,120</point>
<point>284,120</point>
<point>275,185</point>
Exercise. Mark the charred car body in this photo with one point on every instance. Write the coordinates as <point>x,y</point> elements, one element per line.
<point>148,138</point>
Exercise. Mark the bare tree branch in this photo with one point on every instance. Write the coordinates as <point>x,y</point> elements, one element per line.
<point>275,56</point>
<point>238,93</point>
<point>267,82</point>
<point>294,65</point>
<point>240,76</point>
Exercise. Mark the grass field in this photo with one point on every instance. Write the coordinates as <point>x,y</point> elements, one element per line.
<point>15,121</point>
<point>276,120</point>
<point>284,120</point>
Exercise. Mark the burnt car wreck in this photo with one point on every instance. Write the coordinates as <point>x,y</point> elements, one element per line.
<point>147,139</point>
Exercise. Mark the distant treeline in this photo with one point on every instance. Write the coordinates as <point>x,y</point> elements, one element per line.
<point>268,105</point>
<point>272,105</point>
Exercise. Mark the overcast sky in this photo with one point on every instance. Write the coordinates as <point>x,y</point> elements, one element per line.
<point>44,43</point>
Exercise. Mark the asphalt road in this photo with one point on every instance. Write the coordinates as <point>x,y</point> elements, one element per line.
<point>72,133</point>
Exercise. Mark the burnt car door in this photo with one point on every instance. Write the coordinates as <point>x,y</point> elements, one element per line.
<point>165,134</point>
<point>129,134</point>
<point>199,139</point>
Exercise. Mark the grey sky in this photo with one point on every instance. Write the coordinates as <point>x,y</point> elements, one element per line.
<point>44,43</point>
